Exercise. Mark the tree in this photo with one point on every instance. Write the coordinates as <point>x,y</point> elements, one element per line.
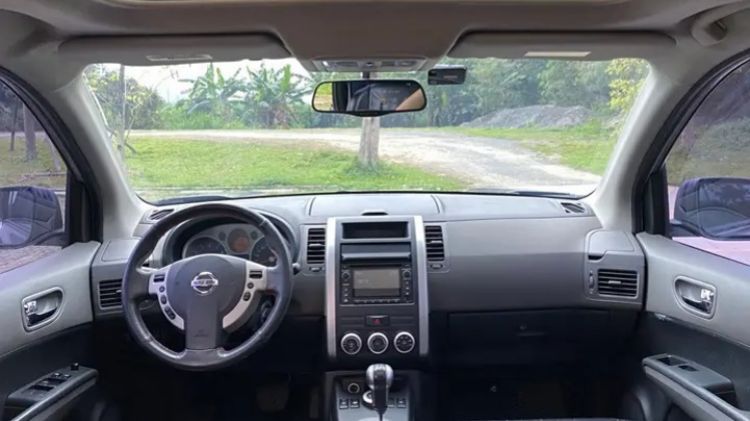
<point>29,132</point>
<point>125,104</point>
<point>570,83</point>
<point>272,94</point>
<point>212,93</point>
<point>369,140</point>
<point>627,79</point>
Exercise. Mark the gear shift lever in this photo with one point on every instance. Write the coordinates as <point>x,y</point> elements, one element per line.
<point>379,380</point>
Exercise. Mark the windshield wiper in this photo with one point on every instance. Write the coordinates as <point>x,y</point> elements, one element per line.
<point>527,193</point>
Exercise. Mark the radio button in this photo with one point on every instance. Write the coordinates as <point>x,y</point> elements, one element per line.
<point>377,343</point>
<point>351,343</point>
<point>404,342</point>
<point>346,275</point>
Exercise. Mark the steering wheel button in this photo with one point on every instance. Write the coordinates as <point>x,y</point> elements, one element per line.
<point>163,299</point>
<point>162,289</point>
<point>250,285</point>
<point>247,295</point>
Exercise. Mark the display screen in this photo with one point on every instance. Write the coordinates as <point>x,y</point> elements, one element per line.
<point>376,282</point>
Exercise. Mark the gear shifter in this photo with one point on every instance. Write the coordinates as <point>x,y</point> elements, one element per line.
<point>379,380</point>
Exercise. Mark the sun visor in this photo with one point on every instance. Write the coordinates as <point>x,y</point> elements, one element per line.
<point>163,50</point>
<point>568,46</point>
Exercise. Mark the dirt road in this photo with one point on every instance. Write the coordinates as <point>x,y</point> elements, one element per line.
<point>482,162</point>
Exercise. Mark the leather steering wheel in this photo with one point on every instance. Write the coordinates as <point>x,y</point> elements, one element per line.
<point>207,296</point>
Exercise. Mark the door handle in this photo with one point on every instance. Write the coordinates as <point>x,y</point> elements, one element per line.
<point>697,296</point>
<point>41,308</point>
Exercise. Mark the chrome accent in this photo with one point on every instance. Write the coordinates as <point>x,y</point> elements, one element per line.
<point>153,289</point>
<point>376,335</point>
<point>422,291</point>
<point>351,335</point>
<point>244,309</point>
<point>204,283</point>
<point>331,266</point>
<point>395,342</point>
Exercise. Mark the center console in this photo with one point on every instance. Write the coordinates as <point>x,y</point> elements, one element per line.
<point>376,289</point>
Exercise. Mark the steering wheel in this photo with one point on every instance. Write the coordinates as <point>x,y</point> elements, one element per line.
<point>207,296</point>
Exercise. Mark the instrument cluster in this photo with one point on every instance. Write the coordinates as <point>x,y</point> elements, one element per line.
<point>241,240</point>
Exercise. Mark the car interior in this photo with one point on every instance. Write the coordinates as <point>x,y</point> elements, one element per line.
<point>628,301</point>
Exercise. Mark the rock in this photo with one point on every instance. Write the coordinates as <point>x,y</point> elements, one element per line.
<point>544,116</point>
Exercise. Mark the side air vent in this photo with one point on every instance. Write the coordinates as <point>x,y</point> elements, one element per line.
<point>316,246</point>
<point>157,214</point>
<point>434,243</point>
<point>573,207</point>
<point>617,283</point>
<point>109,293</point>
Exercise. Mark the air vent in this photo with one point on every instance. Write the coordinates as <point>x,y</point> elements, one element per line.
<point>157,214</point>
<point>617,283</point>
<point>434,243</point>
<point>573,207</point>
<point>109,293</point>
<point>316,246</point>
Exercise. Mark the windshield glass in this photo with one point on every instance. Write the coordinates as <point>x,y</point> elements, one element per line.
<point>247,128</point>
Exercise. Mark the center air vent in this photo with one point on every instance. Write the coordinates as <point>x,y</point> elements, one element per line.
<point>434,243</point>
<point>109,293</point>
<point>617,283</point>
<point>316,246</point>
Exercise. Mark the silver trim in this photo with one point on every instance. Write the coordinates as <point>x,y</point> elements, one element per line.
<point>423,296</point>
<point>395,342</point>
<point>351,335</point>
<point>242,311</point>
<point>372,337</point>
<point>330,266</point>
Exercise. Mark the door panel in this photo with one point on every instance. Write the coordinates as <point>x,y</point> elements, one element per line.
<point>696,329</point>
<point>59,283</point>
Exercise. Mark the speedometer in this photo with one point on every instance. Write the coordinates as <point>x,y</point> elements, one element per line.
<point>204,245</point>
<point>263,254</point>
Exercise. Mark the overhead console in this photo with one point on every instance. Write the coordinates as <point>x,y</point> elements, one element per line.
<point>376,289</point>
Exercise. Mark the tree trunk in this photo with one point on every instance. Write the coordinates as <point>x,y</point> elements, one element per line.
<point>56,161</point>
<point>29,132</point>
<point>369,142</point>
<point>123,113</point>
<point>13,128</point>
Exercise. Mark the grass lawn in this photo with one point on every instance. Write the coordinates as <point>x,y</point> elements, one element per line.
<point>586,147</point>
<point>195,164</point>
<point>15,170</point>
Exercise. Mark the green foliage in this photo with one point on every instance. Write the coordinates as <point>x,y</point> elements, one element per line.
<point>15,170</point>
<point>627,79</point>
<point>271,96</point>
<point>718,150</point>
<point>569,83</point>
<point>214,94</point>
<point>142,103</point>
<point>159,168</point>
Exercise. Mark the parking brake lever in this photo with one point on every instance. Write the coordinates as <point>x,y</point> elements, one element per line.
<point>379,380</point>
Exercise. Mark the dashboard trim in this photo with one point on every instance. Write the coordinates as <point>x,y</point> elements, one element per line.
<point>330,295</point>
<point>423,294</point>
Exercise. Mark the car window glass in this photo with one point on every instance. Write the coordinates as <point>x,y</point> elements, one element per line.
<point>708,172</point>
<point>32,186</point>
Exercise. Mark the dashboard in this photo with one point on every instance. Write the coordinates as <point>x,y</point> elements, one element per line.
<point>240,240</point>
<point>480,275</point>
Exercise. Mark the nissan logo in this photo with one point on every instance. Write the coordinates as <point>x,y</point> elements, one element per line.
<point>204,283</point>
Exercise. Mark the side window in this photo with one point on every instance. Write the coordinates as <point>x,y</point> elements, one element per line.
<point>33,180</point>
<point>708,173</point>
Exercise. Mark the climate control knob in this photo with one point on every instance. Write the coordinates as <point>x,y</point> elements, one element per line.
<point>351,343</point>
<point>404,342</point>
<point>377,343</point>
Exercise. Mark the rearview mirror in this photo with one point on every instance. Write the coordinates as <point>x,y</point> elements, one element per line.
<point>717,208</point>
<point>369,98</point>
<point>28,216</point>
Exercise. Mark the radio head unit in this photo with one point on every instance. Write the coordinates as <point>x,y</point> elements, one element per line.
<point>376,284</point>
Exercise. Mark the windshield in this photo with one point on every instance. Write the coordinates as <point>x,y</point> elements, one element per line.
<point>247,128</point>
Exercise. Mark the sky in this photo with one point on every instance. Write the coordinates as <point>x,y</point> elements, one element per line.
<point>166,79</point>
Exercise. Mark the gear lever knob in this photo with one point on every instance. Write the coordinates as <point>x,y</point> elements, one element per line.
<point>379,379</point>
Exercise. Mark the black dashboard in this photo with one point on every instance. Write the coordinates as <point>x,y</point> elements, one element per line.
<point>511,266</point>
